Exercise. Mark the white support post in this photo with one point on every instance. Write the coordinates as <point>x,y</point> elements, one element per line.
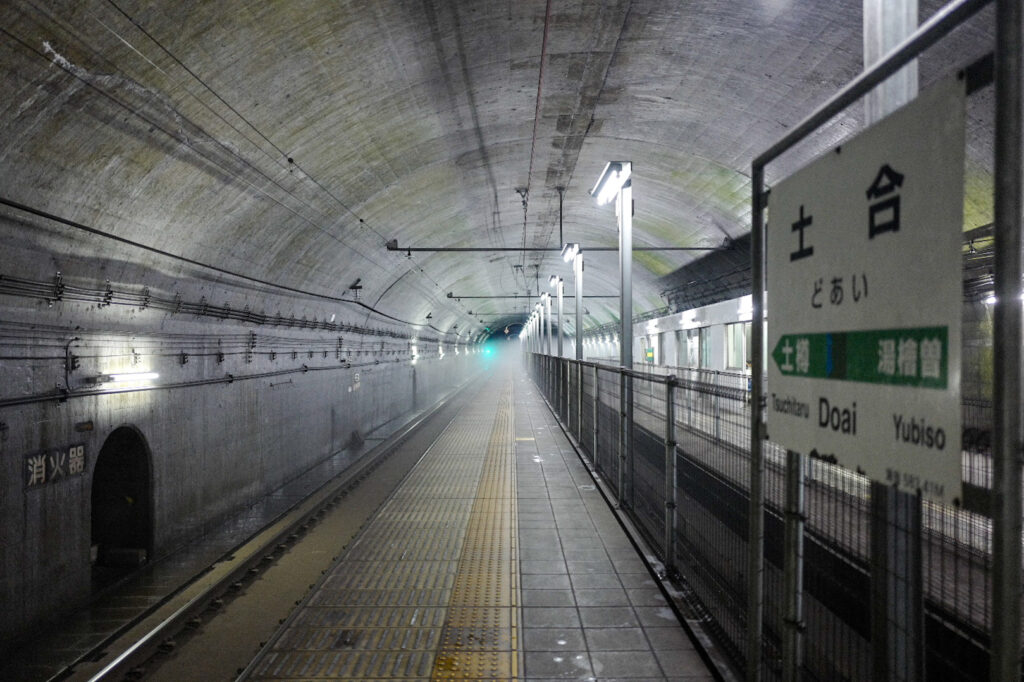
<point>897,609</point>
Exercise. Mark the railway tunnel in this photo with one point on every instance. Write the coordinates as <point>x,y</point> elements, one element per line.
<point>434,339</point>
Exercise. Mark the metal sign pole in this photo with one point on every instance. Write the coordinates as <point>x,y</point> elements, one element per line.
<point>1006,478</point>
<point>577,263</point>
<point>547,318</point>
<point>670,476</point>
<point>578,280</point>
<point>562,382</point>
<point>623,447</point>
<point>561,288</point>
<point>597,427</point>
<point>792,654</point>
<point>624,207</point>
<point>755,536</point>
<point>897,613</point>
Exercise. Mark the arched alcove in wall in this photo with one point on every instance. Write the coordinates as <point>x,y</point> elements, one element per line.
<point>122,526</point>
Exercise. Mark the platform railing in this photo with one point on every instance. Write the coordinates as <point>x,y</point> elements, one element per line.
<point>690,490</point>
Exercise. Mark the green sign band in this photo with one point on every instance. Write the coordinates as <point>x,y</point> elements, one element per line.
<point>900,357</point>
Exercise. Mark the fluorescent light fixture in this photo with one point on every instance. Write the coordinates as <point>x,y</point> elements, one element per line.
<point>554,280</point>
<point>132,376</point>
<point>545,296</point>
<point>569,251</point>
<point>122,378</point>
<point>613,178</point>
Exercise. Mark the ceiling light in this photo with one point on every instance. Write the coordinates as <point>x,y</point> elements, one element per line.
<point>613,178</point>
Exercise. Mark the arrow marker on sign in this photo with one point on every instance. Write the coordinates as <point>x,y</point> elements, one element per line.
<point>917,357</point>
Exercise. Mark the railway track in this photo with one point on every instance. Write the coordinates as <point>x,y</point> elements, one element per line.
<point>212,628</point>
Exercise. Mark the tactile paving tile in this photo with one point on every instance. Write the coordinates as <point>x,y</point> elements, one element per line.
<point>423,617</point>
<point>380,597</point>
<point>412,639</point>
<point>481,629</point>
<point>345,665</point>
<point>430,589</point>
<point>400,575</point>
<point>414,544</point>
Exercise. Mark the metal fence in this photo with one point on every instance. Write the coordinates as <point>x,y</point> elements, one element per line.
<point>685,484</point>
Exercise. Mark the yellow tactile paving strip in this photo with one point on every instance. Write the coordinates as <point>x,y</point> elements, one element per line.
<point>430,589</point>
<point>480,637</point>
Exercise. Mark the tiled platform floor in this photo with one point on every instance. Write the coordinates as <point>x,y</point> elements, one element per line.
<point>497,558</point>
<point>591,610</point>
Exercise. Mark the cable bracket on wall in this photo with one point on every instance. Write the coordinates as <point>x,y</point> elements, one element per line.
<point>58,289</point>
<point>108,296</point>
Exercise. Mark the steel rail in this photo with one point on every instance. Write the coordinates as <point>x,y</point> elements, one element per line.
<point>306,511</point>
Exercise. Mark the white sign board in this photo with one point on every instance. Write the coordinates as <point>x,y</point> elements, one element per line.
<point>864,258</point>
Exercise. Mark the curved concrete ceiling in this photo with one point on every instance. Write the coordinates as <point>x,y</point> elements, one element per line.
<point>291,140</point>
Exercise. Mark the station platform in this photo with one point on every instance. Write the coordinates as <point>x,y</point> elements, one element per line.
<point>496,558</point>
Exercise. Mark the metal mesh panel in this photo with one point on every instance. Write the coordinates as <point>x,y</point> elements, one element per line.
<point>836,576</point>
<point>563,390</point>
<point>845,531</point>
<point>648,454</point>
<point>588,425</point>
<point>957,565</point>
<point>606,459</point>
<point>712,432</point>
<point>572,399</point>
<point>549,378</point>
<point>711,532</point>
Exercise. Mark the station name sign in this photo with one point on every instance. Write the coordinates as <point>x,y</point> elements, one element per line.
<point>863,264</point>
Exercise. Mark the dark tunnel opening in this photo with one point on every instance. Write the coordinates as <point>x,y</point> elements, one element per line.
<point>122,532</point>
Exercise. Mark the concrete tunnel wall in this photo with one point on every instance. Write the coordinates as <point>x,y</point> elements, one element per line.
<point>215,448</point>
